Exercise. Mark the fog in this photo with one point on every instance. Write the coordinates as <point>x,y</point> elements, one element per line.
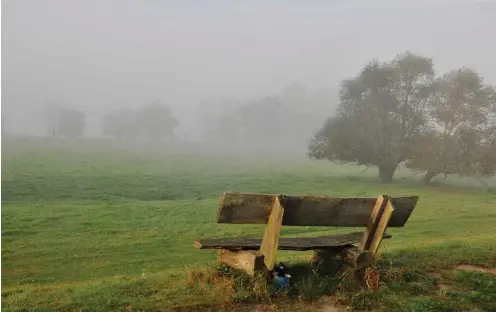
<point>100,55</point>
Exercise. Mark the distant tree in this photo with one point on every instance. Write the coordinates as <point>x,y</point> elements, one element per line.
<point>285,121</point>
<point>461,140</point>
<point>323,100</point>
<point>302,111</point>
<point>295,97</point>
<point>120,124</point>
<point>155,121</point>
<point>71,123</point>
<point>50,113</point>
<point>4,127</point>
<point>229,129</point>
<point>381,110</point>
<point>486,160</point>
<point>262,120</point>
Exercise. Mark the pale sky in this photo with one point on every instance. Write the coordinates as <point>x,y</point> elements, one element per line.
<point>97,55</point>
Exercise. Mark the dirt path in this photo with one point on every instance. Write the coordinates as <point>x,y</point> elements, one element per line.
<point>474,268</point>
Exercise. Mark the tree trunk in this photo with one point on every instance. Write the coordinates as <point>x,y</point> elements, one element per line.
<point>428,176</point>
<point>386,172</point>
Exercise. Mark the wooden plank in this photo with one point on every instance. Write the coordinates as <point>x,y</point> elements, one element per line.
<point>381,228</point>
<point>366,238</point>
<point>285,243</point>
<point>270,241</point>
<point>247,261</point>
<point>244,208</point>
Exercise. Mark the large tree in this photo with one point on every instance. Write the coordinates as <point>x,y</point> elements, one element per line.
<point>381,111</point>
<point>461,140</point>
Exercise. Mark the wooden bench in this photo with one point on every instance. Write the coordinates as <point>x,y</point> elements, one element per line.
<point>252,255</point>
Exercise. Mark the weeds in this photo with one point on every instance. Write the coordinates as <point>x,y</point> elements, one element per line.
<point>372,278</point>
<point>308,283</point>
<point>230,284</point>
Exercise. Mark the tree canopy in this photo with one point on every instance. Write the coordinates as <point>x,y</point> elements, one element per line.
<point>397,112</point>
<point>381,110</point>
<point>460,139</point>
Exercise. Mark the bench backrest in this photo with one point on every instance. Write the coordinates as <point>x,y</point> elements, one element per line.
<point>245,208</point>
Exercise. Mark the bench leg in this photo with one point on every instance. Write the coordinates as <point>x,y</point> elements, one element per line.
<point>381,229</point>
<point>270,241</point>
<point>378,222</point>
<point>247,261</point>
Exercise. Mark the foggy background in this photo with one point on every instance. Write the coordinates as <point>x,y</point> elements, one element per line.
<point>203,58</point>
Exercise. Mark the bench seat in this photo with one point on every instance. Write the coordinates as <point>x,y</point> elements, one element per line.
<point>285,243</point>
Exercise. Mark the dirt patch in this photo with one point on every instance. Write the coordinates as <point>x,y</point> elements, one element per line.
<point>327,304</point>
<point>331,309</point>
<point>474,268</point>
<point>264,308</point>
<point>443,287</point>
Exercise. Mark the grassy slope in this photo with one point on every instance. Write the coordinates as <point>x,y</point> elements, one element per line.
<point>98,227</point>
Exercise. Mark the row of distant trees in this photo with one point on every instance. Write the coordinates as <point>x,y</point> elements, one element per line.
<point>153,121</point>
<point>285,120</point>
<point>399,112</point>
<point>391,113</point>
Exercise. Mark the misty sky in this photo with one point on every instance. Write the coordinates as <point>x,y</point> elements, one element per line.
<point>101,54</point>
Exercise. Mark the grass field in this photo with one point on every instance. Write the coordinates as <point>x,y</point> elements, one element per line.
<point>97,226</point>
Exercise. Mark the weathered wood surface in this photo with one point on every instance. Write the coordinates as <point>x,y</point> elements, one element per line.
<point>356,258</point>
<point>248,261</point>
<point>380,204</point>
<point>270,241</point>
<point>244,208</point>
<point>382,224</point>
<point>285,243</point>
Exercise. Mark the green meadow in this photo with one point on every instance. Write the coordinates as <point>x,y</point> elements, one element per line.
<point>95,225</point>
